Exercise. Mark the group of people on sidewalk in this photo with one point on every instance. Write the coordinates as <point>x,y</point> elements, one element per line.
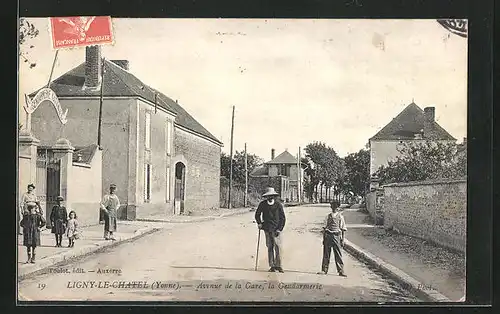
<point>32,220</point>
<point>270,217</point>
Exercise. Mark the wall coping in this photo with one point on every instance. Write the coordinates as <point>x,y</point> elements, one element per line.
<point>83,165</point>
<point>426,182</point>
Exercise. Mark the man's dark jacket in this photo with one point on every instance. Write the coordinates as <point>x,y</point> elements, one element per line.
<point>273,216</point>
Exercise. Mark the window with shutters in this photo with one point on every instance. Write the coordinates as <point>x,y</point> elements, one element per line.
<point>168,185</point>
<point>147,126</point>
<point>169,137</point>
<point>147,182</point>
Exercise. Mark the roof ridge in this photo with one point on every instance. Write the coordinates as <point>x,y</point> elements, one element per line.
<point>116,74</point>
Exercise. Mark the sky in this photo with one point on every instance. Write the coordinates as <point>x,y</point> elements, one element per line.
<point>292,82</point>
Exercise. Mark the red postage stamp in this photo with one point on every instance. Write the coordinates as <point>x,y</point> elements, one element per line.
<point>77,31</point>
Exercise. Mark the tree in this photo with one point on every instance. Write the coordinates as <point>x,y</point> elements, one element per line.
<point>239,165</point>
<point>424,161</point>
<point>357,175</point>
<point>308,185</point>
<point>27,31</point>
<point>327,165</point>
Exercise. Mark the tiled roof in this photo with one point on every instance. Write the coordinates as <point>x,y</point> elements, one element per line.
<point>283,158</point>
<point>85,153</point>
<point>408,123</point>
<point>259,171</point>
<point>120,82</point>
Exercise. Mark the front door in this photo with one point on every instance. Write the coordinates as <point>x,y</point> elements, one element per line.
<point>180,180</point>
<point>48,180</point>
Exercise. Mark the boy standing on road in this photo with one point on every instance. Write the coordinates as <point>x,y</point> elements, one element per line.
<point>334,231</point>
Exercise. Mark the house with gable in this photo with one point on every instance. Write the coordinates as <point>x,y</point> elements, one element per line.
<point>281,173</point>
<point>411,125</point>
<point>163,161</point>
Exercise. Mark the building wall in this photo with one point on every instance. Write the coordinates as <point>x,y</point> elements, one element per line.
<point>381,152</point>
<point>293,172</point>
<point>273,170</point>
<point>202,161</point>
<point>434,211</point>
<point>157,157</point>
<point>375,205</point>
<point>24,175</point>
<point>85,189</point>
<point>81,130</point>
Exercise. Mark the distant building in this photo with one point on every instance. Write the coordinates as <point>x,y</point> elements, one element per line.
<point>281,172</point>
<point>163,161</point>
<point>412,125</point>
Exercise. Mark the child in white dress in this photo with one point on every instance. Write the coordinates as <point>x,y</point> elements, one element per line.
<point>72,231</point>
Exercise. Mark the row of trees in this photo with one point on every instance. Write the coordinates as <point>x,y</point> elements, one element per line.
<point>253,162</point>
<point>351,174</point>
<point>323,166</point>
<point>325,169</point>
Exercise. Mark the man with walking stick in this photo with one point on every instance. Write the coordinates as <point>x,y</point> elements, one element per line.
<point>270,217</point>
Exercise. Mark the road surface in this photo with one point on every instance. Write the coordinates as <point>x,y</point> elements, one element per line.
<point>214,261</point>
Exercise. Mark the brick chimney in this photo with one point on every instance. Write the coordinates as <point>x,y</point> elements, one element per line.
<point>93,66</point>
<point>429,118</point>
<point>272,153</point>
<point>124,64</point>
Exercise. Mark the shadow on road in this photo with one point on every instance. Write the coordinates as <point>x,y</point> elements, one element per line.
<point>241,269</point>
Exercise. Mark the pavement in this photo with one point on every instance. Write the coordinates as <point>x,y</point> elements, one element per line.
<point>92,240</point>
<point>214,260</point>
<point>427,270</point>
<point>220,213</point>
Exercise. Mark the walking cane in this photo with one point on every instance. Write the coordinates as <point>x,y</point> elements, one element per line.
<point>257,255</point>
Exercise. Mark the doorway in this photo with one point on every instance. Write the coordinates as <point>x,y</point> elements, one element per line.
<point>48,180</point>
<point>180,185</point>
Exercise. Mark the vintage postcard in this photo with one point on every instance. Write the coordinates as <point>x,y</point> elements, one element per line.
<point>294,160</point>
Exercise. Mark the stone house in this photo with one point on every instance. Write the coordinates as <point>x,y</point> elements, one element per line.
<point>411,125</point>
<point>281,172</point>
<point>162,160</point>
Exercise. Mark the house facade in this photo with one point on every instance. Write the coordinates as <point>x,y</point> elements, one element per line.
<point>162,160</point>
<point>411,125</point>
<point>282,173</point>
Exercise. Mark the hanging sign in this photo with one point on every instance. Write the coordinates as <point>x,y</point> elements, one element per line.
<point>77,31</point>
<point>43,95</point>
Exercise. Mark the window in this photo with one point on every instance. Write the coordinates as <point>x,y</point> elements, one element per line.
<point>169,137</point>
<point>168,185</point>
<point>147,182</point>
<point>148,131</point>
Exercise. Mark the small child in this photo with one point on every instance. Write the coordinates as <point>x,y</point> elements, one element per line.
<point>72,230</point>
<point>59,219</point>
<point>32,222</point>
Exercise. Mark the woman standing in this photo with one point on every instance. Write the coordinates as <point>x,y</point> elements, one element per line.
<point>59,220</point>
<point>32,222</point>
<point>110,205</point>
<point>29,198</point>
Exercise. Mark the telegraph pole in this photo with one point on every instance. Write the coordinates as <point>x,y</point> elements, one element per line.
<point>231,167</point>
<point>99,127</point>
<point>246,177</point>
